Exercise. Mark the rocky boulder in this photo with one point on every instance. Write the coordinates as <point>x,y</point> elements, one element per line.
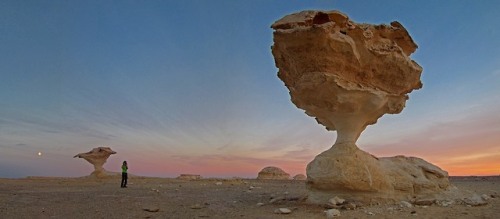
<point>299,177</point>
<point>273,173</point>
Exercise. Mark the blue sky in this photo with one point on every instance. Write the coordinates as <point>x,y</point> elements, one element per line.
<point>168,83</point>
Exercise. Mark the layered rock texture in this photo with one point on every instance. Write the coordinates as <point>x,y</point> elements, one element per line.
<point>299,177</point>
<point>347,75</point>
<point>98,157</point>
<point>273,173</point>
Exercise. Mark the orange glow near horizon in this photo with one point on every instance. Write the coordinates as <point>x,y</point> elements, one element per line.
<point>476,170</point>
<point>449,145</point>
<point>467,146</point>
<point>239,169</point>
<point>222,166</point>
<point>208,166</point>
<point>457,161</point>
<point>480,167</point>
<point>458,166</point>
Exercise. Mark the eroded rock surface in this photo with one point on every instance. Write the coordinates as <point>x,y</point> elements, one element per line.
<point>97,157</point>
<point>299,177</point>
<point>347,75</point>
<point>273,173</point>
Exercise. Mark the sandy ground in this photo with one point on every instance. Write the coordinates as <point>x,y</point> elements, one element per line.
<point>38,197</point>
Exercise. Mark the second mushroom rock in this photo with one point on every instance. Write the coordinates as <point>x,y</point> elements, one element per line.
<point>97,157</point>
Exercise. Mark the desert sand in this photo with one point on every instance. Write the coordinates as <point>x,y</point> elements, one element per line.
<point>47,197</point>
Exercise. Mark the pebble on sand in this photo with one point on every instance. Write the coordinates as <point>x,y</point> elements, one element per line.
<point>331,213</point>
<point>485,197</point>
<point>405,204</point>
<point>196,206</point>
<point>335,202</point>
<point>475,200</point>
<point>282,211</point>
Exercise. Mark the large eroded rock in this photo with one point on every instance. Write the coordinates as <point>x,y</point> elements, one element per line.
<point>347,75</point>
<point>97,157</point>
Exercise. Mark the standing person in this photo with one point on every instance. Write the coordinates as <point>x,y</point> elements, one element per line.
<point>124,174</point>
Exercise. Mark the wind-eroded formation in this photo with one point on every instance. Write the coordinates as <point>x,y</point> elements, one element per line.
<point>97,157</point>
<point>347,75</point>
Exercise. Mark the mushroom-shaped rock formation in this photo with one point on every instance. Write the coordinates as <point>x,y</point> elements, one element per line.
<point>347,75</point>
<point>300,177</point>
<point>273,173</point>
<point>97,157</point>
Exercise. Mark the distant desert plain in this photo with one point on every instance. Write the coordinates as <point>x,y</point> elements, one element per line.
<point>147,197</point>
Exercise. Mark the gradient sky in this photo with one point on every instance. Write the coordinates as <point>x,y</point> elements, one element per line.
<point>191,87</point>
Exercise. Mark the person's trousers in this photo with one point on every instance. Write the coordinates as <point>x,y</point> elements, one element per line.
<point>124,180</point>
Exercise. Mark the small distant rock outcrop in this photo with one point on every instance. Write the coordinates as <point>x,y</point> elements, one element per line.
<point>189,177</point>
<point>97,157</point>
<point>273,173</point>
<point>300,177</point>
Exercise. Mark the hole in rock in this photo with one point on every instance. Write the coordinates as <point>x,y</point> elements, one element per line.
<point>321,18</point>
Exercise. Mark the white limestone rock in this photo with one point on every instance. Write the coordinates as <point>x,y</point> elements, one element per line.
<point>97,157</point>
<point>282,211</point>
<point>335,201</point>
<point>405,204</point>
<point>347,75</point>
<point>331,213</point>
<point>475,200</point>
